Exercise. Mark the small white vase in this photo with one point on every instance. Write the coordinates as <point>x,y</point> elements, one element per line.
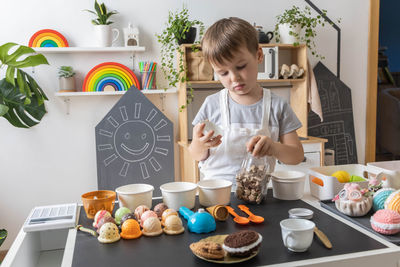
<point>285,37</point>
<point>104,35</point>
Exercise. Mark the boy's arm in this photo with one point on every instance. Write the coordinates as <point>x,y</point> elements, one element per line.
<point>202,143</point>
<point>289,150</point>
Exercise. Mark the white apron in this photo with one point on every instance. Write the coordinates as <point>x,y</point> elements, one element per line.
<point>225,160</point>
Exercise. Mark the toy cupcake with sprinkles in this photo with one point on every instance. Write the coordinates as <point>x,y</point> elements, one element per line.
<point>353,201</point>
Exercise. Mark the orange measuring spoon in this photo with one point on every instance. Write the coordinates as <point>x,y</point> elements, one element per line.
<point>237,219</point>
<point>253,218</point>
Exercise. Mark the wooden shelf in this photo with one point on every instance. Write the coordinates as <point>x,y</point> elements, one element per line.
<point>59,50</point>
<point>152,91</point>
<point>270,82</point>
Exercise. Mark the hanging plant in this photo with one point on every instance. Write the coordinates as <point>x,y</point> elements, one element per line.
<point>21,98</point>
<point>179,29</point>
<point>305,22</point>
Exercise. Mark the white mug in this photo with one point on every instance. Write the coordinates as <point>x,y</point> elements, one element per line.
<point>104,34</point>
<point>297,234</point>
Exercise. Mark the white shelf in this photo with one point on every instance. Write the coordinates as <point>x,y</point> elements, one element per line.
<point>145,91</point>
<point>57,50</point>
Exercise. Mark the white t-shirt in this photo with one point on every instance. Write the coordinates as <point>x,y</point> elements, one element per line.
<point>249,116</point>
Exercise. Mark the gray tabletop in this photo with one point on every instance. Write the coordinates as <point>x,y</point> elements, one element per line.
<point>168,250</point>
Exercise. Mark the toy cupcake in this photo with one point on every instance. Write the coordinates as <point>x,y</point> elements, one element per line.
<point>353,201</point>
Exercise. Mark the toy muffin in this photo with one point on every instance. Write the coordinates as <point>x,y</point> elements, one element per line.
<point>353,201</point>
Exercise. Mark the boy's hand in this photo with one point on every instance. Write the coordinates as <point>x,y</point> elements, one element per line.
<point>260,146</point>
<point>205,141</point>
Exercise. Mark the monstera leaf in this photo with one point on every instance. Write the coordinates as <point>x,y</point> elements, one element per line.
<point>3,235</point>
<point>21,98</point>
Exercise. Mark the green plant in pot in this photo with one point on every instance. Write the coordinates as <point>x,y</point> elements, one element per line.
<point>102,24</point>
<point>295,26</point>
<point>21,98</point>
<point>102,15</point>
<point>66,77</point>
<point>179,30</point>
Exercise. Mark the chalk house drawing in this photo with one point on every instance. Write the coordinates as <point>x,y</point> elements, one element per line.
<point>338,124</point>
<point>134,143</point>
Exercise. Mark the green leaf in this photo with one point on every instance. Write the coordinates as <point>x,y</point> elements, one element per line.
<point>19,114</point>
<point>3,109</point>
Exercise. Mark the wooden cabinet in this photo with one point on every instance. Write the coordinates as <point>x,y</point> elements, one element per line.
<point>298,93</point>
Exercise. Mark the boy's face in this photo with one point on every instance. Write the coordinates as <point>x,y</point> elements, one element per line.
<point>239,75</point>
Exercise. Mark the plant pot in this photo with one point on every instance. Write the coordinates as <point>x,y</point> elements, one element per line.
<point>284,32</point>
<point>189,37</point>
<point>67,84</point>
<point>104,35</point>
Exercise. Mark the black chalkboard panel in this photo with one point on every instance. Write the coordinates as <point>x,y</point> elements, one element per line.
<point>165,250</point>
<point>338,124</point>
<point>134,144</point>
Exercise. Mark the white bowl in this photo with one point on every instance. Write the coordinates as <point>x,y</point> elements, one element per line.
<point>288,185</point>
<point>214,192</point>
<point>178,194</point>
<point>133,195</point>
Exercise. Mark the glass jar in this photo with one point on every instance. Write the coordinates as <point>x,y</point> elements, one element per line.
<point>252,178</point>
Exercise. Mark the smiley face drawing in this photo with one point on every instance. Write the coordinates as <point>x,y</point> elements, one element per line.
<point>135,145</point>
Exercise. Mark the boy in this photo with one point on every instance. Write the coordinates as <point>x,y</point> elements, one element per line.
<point>253,119</point>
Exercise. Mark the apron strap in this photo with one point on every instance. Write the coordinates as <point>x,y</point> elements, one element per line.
<point>266,110</point>
<point>223,105</point>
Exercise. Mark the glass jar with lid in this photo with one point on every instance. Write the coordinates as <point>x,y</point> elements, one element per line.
<point>253,177</point>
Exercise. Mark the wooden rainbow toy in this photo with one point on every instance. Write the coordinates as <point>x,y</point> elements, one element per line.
<point>48,38</point>
<point>109,76</point>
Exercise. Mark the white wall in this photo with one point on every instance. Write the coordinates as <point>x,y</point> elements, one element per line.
<point>54,162</point>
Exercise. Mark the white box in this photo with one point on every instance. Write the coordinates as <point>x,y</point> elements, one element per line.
<point>324,186</point>
<point>390,172</point>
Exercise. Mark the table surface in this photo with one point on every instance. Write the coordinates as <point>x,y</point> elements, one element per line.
<point>166,250</point>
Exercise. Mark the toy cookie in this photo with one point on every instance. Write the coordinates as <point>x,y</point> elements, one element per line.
<point>208,250</point>
<point>242,243</point>
<point>386,222</point>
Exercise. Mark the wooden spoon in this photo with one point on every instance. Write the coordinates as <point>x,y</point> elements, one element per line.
<point>238,219</point>
<point>324,239</point>
<point>253,218</point>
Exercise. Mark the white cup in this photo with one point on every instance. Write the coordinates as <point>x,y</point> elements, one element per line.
<point>297,234</point>
<point>104,34</point>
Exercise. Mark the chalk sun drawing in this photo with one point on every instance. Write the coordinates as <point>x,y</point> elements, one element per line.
<point>134,140</point>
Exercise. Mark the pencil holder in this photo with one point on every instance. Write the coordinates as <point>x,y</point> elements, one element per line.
<point>148,79</point>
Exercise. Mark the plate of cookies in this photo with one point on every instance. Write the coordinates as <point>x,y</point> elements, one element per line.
<point>226,249</point>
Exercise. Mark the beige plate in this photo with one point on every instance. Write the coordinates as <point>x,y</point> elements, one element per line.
<point>227,259</point>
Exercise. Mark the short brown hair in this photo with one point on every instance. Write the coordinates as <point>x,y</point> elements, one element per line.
<point>227,36</point>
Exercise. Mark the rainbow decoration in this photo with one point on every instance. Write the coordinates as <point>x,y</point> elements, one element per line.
<point>48,38</point>
<point>110,76</point>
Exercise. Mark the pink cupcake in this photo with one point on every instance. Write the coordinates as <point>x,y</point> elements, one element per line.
<point>146,215</point>
<point>386,222</point>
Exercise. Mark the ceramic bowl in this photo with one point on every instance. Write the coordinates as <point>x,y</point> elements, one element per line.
<point>98,200</point>
<point>179,194</point>
<point>288,185</point>
<point>133,195</point>
<point>214,192</point>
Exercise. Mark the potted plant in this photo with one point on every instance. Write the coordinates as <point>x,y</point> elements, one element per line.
<point>102,24</point>
<point>295,26</point>
<point>66,78</point>
<point>179,29</point>
<point>21,98</point>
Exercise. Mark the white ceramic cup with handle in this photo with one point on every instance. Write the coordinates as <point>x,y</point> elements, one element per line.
<point>297,234</point>
<point>106,35</point>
